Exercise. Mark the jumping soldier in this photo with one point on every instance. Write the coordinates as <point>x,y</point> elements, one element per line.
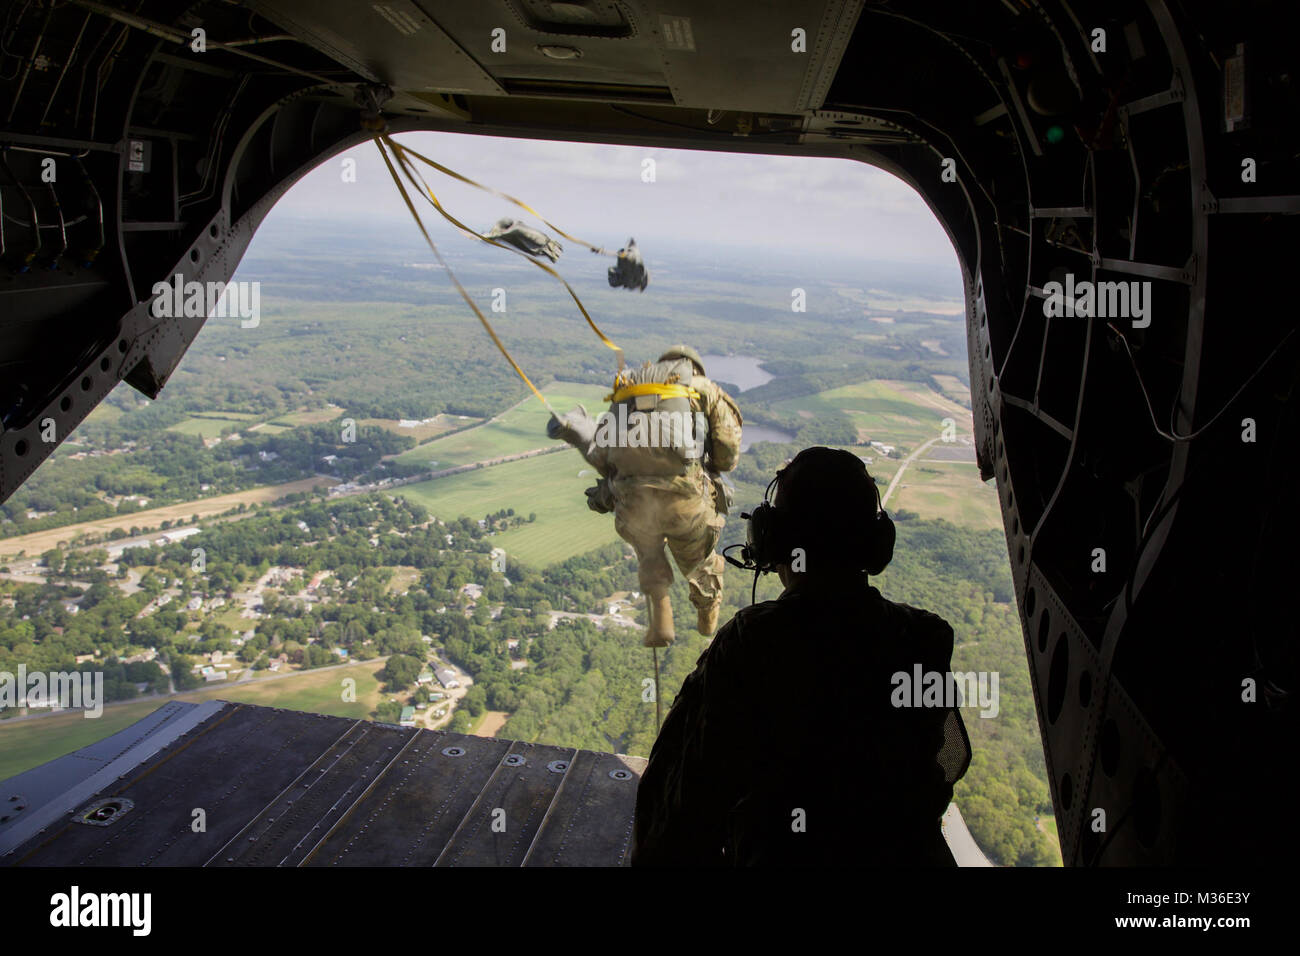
<point>660,450</point>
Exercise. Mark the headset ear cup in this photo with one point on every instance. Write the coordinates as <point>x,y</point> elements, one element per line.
<point>767,529</point>
<point>777,550</point>
<point>880,544</point>
<point>756,535</point>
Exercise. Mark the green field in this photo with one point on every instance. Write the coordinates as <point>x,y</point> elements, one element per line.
<point>548,485</point>
<point>232,416</point>
<point>318,691</point>
<point>949,490</point>
<point>30,743</point>
<point>907,414</point>
<point>954,388</point>
<point>520,428</point>
<point>551,486</point>
<point>230,616</point>
<point>311,416</point>
<point>903,414</point>
<point>440,425</point>
<point>205,427</point>
<point>104,413</point>
<point>403,578</point>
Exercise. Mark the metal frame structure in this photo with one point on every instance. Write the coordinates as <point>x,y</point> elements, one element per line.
<point>1121,164</point>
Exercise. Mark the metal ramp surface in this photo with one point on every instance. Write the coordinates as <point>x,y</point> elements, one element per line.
<point>276,787</point>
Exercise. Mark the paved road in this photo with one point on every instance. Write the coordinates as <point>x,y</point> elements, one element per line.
<point>485,463</point>
<point>884,499</point>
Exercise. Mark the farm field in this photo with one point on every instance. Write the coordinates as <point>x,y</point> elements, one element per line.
<point>520,428</point>
<point>954,388</point>
<point>551,485</point>
<point>317,691</point>
<point>440,425</point>
<point>548,485</point>
<point>904,414</point>
<point>949,490</point>
<point>311,416</point>
<point>232,416</point>
<point>204,427</point>
<point>22,747</point>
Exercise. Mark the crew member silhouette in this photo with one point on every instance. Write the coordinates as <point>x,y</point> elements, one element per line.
<point>790,743</point>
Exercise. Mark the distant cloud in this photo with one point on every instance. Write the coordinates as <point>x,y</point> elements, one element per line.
<point>596,191</point>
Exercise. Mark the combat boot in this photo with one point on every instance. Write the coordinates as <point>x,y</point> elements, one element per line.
<point>706,621</point>
<point>660,612</point>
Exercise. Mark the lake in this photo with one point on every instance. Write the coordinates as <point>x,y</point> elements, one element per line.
<point>753,433</point>
<point>745,372</point>
<point>742,371</point>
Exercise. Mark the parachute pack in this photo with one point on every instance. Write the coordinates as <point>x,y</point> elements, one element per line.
<point>655,425</point>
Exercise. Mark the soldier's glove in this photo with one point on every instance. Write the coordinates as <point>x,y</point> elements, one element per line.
<point>575,427</point>
<point>599,498</point>
<point>525,238</point>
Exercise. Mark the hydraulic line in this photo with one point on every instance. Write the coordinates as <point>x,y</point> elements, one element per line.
<point>64,72</point>
<point>99,211</point>
<point>31,61</point>
<point>31,206</point>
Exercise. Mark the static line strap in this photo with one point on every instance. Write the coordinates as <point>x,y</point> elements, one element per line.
<point>402,153</point>
<point>654,651</point>
<point>652,388</point>
<point>460,288</point>
<point>509,198</point>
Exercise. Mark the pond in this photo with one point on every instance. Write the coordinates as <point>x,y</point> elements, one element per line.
<point>754,433</point>
<point>743,371</point>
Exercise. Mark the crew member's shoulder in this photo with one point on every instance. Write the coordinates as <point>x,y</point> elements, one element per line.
<point>922,624</point>
<point>751,625</point>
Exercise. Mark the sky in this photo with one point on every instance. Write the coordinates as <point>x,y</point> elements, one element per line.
<point>597,192</point>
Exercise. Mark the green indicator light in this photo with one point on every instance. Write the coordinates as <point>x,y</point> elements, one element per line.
<point>1055,134</point>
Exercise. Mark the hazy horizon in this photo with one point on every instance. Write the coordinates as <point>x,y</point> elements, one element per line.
<point>791,205</point>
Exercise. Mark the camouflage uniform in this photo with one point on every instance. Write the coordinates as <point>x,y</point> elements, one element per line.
<point>657,497</point>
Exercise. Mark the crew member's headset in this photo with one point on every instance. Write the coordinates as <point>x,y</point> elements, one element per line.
<point>770,539</point>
